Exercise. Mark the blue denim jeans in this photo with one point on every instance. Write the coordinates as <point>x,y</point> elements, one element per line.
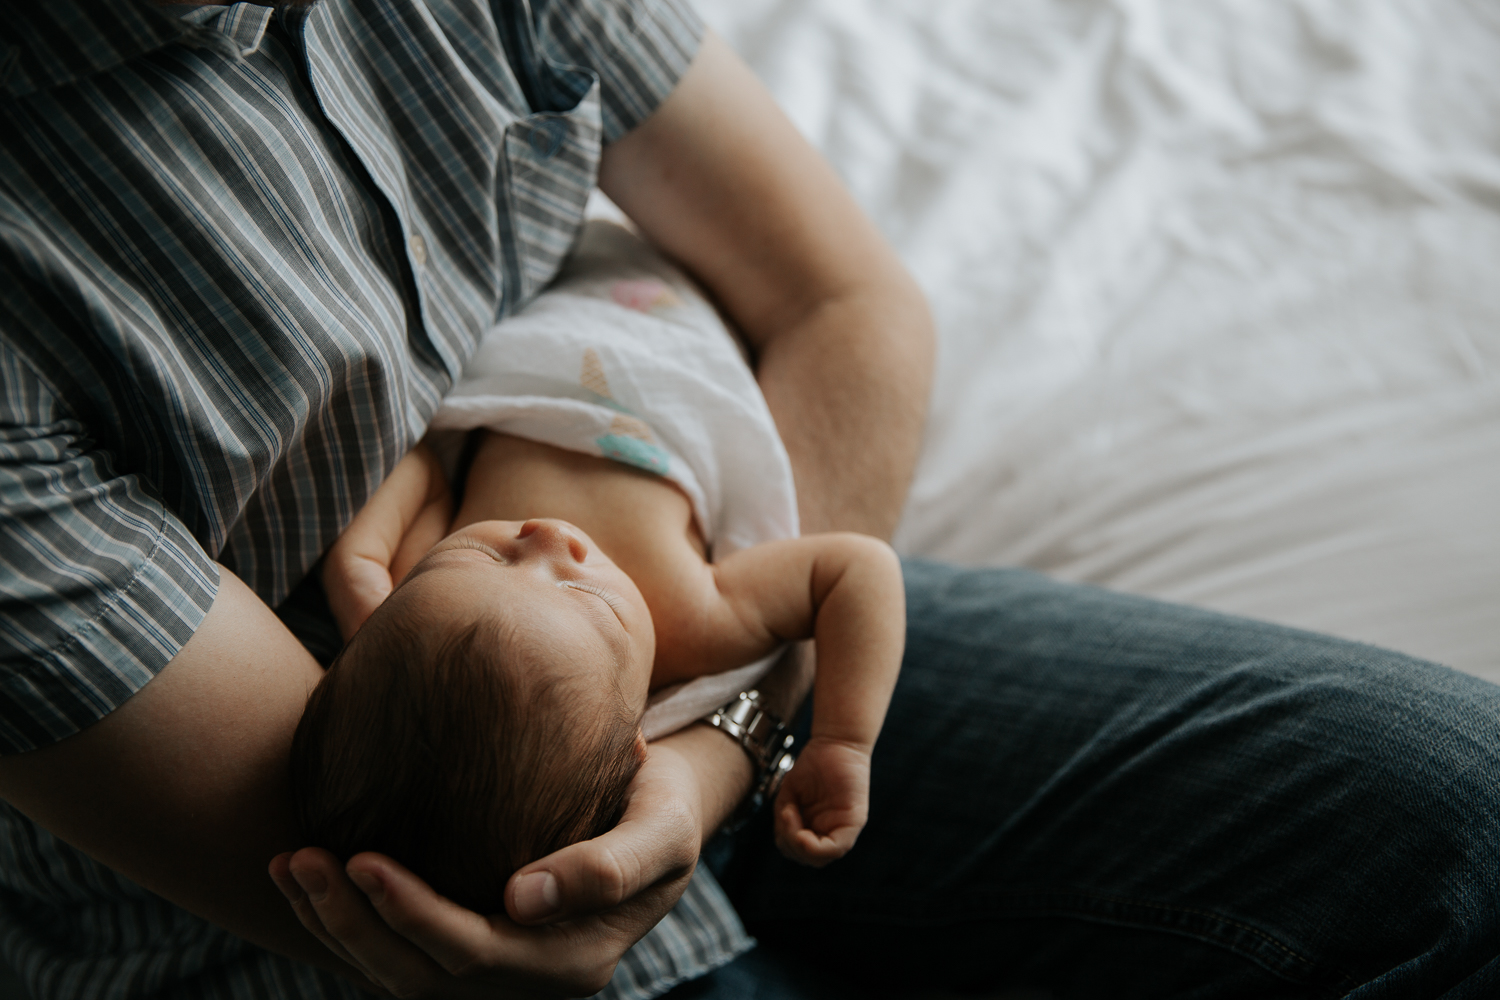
<point>1102,796</point>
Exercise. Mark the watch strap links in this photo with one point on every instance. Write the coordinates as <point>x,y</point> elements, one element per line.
<point>765,740</point>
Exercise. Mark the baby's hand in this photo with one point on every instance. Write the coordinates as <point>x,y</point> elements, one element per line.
<point>824,802</point>
<point>355,585</point>
<point>404,518</point>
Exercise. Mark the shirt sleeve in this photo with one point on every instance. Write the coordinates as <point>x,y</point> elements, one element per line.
<point>100,585</point>
<point>638,48</point>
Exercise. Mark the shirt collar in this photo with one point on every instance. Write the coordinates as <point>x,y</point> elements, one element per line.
<point>242,24</point>
<point>48,43</point>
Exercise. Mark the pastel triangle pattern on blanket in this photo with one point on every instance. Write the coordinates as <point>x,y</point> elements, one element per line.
<point>644,296</point>
<point>592,377</point>
<point>629,440</point>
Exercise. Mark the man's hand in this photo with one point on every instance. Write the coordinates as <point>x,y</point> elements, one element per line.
<point>569,917</point>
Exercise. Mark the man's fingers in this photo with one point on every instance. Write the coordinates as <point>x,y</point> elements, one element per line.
<point>596,875</point>
<point>281,874</point>
<point>656,841</point>
<point>575,959</point>
<point>457,939</point>
<point>357,931</point>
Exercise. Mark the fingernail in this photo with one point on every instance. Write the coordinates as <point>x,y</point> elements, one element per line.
<point>370,884</point>
<point>288,886</point>
<point>537,896</point>
<point>312,883</point>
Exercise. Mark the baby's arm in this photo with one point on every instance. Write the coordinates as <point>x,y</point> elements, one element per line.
<point>408,514</point>
<point>844,591</point>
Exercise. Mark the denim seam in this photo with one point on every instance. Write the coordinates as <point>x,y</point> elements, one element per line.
<point>1306,969</point>
<point>1083,906</point>
<point>1209,914</point>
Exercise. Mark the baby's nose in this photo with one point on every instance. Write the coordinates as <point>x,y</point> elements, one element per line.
<point>550,535</point>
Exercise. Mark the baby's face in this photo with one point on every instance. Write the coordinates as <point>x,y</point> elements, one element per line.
<point>552,580</point>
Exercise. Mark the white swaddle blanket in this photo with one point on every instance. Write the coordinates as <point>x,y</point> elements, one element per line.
<point>622,357</point>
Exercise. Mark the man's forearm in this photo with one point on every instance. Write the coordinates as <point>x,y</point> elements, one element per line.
<point>183,788</point>
<point>843,340</point>
<point>848,389</point>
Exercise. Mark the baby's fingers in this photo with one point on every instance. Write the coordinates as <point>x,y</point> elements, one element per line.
<point>355,587</point>
<point>806,846</point>
<point>788,824</point>
<point>816,850</point>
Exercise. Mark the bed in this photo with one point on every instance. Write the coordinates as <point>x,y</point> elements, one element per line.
<point>1217,287</point>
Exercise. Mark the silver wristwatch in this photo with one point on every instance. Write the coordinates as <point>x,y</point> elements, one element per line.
<point>765,739</point>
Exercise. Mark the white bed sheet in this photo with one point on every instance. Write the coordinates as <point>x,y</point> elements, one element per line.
<point>1217,287</point>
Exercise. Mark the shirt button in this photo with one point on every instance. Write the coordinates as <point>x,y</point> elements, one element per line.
<point>418,249</point>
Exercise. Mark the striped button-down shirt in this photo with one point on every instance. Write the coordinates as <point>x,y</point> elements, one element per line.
<point>243,254</point>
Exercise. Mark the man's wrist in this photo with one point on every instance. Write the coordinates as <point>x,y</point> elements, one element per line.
<point>724,774</point>
<point>723,771</point>
<point>747,721</point>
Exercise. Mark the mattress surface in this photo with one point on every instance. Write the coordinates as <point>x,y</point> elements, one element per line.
<point>1217,287</point>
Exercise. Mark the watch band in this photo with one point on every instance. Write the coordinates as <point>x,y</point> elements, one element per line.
<point>764,739</point>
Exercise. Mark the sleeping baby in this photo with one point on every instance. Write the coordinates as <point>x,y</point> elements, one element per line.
<point>493,707</point>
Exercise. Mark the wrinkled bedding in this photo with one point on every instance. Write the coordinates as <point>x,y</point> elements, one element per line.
<point>1217,287</point>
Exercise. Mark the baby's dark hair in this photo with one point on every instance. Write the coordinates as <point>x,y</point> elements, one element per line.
<point>456,756</point>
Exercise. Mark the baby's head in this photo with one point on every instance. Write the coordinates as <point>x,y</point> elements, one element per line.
<point>487,714</point>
